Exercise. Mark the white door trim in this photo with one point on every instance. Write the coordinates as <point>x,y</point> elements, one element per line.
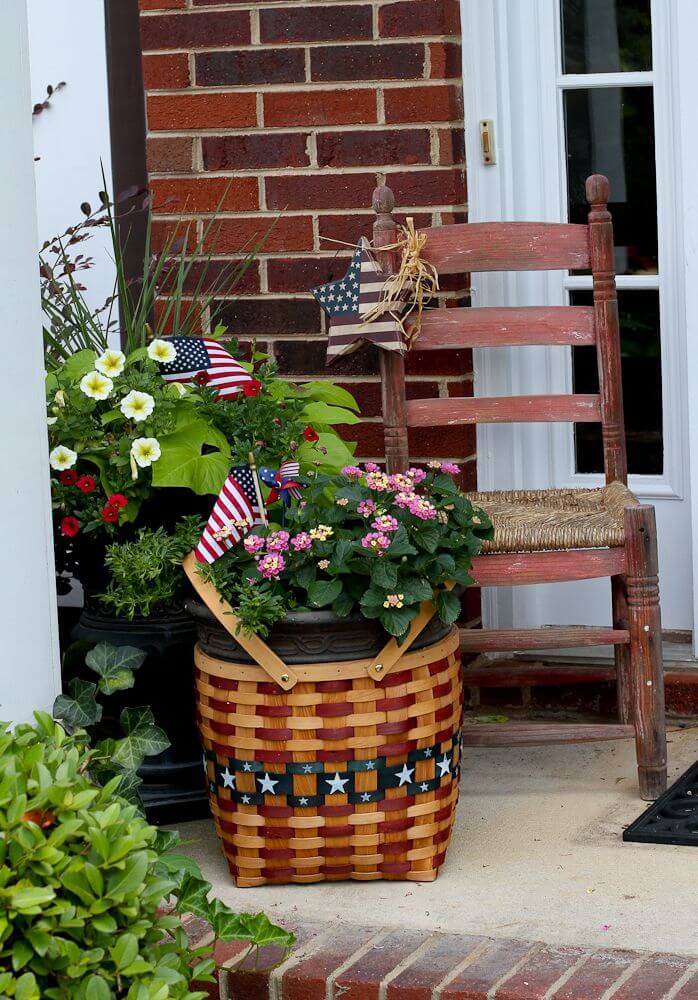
<point>495,31</point>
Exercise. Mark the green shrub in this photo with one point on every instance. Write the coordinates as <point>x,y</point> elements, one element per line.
<point>83,880</point>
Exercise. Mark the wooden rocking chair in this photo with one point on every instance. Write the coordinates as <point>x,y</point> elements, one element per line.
<point>547,536</point>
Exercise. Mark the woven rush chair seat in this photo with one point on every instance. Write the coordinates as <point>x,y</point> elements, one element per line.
<point>555,520</point>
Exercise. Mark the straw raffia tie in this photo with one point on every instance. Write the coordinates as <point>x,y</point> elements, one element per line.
<point>415,276</point>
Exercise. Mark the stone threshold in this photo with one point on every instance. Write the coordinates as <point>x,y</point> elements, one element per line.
<point>349,962</point>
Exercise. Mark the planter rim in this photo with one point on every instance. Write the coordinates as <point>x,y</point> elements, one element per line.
<point>199,610</point>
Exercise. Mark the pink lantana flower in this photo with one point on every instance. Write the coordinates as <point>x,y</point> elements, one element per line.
<point>277,541</point>
<point>398,481</point>
<point>385,523</point>
<point>451,468</point>
<point>405,498</point>
<point>352,471</point>
<point>366,507</point>
<point>376,542</point>
<point>301,542</point>
<point>253,543</point>
<point>378,481</point>
<point>371,467</point>
<point>417,475</point>
<point>271,565</point>
<point>423,509</point>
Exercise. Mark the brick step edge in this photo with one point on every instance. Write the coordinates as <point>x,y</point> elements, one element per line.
<point>333,961</point>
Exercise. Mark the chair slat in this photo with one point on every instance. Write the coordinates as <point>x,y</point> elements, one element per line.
<point>579,409</point>
<point>535,734</point>
<point>509,569</point>
<point>490,327</point>
<point>507,246</point>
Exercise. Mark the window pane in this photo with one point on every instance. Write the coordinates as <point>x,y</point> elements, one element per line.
<point>606,36</point>
<point>611,131</point>
<point>642,385</point>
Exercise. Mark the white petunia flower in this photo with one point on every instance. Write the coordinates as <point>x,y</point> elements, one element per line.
<point>162,351</point>
<point>145,451</point>
<point>96,386</point>
<point>62,458</point>
<point>111,363</point>
<point>137,405</point>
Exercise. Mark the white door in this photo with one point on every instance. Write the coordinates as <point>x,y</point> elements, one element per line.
<point>575,87</point>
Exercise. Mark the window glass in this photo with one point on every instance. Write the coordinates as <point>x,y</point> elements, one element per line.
<point>606,36</point>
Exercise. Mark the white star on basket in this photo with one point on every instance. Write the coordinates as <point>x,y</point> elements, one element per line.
<point>303,801</point>
<point>247,766</point>
<point>228,779</point>
<point>245,800</point>
<point>266,784</point>
<point>444,766</point>
<point>366,797</point>
<point>337,784</point>
<point>405,775</point>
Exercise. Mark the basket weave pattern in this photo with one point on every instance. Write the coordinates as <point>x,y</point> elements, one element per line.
<point>339,778</point>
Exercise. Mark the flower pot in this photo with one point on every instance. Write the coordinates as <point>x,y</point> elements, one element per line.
<point>340,776</point>
<point>173,788</point>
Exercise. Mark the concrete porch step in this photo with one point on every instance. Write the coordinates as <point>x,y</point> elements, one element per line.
<point>348,962</point>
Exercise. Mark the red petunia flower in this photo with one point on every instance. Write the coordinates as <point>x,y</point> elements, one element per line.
<point>201,378</point>
<point>70,526</point>
<point>42,817</point>
<point>117,500</point>
<point>252,388</point>
<point>310,434</point>
<point>110,515</point>
<point>86,484</point>
<point>69,477</point>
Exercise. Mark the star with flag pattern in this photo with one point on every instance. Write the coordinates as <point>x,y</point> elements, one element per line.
<point>351,298</point>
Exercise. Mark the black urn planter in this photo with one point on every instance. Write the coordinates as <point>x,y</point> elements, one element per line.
<point>308,636</point>
<point>173,788</point>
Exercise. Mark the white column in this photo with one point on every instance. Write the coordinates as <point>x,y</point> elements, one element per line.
<point>29,658</point>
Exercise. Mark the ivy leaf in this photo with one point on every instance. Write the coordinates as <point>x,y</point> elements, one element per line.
<point>324,592</point>
<point>263,932</point>
<point>184,462</point>
<point>384,575</point>
<point>448,606</point>
<point>143,738</point>
<point>129,786</point>
<point>79,708</point>
<point>115,665</point>
<point>192,897</point>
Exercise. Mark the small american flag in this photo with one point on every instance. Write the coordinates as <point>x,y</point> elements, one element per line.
<point>347,301</point>
<point>236,503</point>
<point>208,359</point>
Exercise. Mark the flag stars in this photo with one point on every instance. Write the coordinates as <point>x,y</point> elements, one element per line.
<point>228,779</point>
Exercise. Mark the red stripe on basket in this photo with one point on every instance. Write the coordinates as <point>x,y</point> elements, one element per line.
<point>336,869</point>
<point>268,687</point>
<point>274,756</point>
<point>438,666</point>
<point>337,733</point>
<point>276,854</point>
<point>221,706</point>
<point>392,680</point>
<point>442,689</point>
<point>337,852</point>
<point>278,874</point>
<point>273,735</point>
<point>395,825</point>
<point>338,831</point>
<point>220,683</point>
<point>391,704</point>
<point>334,756</point>
<point>394,805</point>
<point>333,709</point>
<point>443,713</point>
<point>395,867</point>
<point>396,749</point>
<point>400,727</point>
<point>273,711</point>
<point>277,832</point>
<point>343,810</point>
<point>275,812</point>
<point>332,687</point>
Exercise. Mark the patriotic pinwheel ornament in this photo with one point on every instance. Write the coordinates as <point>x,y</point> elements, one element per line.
<point>284,482</point>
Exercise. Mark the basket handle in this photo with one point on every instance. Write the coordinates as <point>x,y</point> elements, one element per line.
<point>265,657</point>
<point>391,654</point>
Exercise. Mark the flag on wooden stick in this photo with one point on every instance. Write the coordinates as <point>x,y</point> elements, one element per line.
<point>236,510</point>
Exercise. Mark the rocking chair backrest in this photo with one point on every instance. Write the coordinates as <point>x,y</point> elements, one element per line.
<point>513,246</point>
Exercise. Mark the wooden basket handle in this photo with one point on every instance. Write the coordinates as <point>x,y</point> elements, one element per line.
<point>391,654</point>
<point>265,657</point>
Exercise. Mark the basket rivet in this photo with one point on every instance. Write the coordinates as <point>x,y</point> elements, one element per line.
<point>284,678</point>
<point>378,667</point>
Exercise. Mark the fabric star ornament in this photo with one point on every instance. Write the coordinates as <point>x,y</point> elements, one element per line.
<point>352,297</point>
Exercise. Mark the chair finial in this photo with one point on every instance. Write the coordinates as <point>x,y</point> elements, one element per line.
<point>383,200</point>
<point>598,190</point>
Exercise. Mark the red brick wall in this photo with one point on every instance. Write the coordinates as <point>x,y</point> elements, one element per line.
<point>307,106</point>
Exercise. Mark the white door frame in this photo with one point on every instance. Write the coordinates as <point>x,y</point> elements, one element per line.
<point>496,32</point>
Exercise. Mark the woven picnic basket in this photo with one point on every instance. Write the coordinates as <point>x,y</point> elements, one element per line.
<point>344,769</point>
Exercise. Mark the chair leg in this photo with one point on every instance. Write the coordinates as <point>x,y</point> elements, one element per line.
<point>646,675</point>
<point>621,653</point>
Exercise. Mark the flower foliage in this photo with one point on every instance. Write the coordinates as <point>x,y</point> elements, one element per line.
<point>89,892</point>
<point>380,546</point>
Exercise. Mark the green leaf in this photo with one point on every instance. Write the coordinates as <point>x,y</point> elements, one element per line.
<point>30,897</point>
<point>372,598</point>
<point>416,589</point>
<point>263,932</point>
<point>143,738</point>
<point>123,883</point>
<point>26,988</point>
<point>97,989</point>
<point>115,665</point>
<point>21,953</point>
<point>192,896</point>
<point>124,951</point>
<point>79,708</point>
<point>78,364</point>
<point>343,605</point>
<point>342,551</point>
<point>448,606</point>
<point>339,453</point>
<point>305,576</point>
<point>328,392</point>
<point>324,592</point>
<point>323,413</point>
<point>400,545</point>
<point>396,621</point>
<point>184,463</point>
<point>427,536</point>
<point>384,575</point>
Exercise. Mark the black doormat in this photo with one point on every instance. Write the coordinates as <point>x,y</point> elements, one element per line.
<point>673,818</point>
